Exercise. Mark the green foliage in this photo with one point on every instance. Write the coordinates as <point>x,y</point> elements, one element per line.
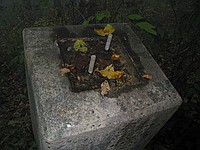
<point>102,14</point>
<point>134,17</point>
<point>86,22</point>
<point>14,122</point>
<point>42,22</point>
<point>147,27</point>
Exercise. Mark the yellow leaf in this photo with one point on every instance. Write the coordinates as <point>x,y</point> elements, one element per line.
<point>108,29</point>
<point>80,45</point>
<point>101,32</point>
<point>110,73</point>
<point>118,74</point>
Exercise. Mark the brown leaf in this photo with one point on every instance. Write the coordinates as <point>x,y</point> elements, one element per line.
<point>63,71</point>
<point>116,57</point>
<point>147,76</point>
<point>105,87</point>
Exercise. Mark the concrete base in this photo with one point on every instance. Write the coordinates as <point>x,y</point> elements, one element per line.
<point>63,120</point>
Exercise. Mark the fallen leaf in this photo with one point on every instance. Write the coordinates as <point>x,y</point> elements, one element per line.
<point>108,29</point>
<point>80,45</point>
<point>118,74</point>
<point>110,73</point>
<point>105,88</point>
<point>62,40</point>
<point>79,78</point>
<point>63,71</point>
<point>116,57</point>
<point>101,32</point>
<point>147,76</point>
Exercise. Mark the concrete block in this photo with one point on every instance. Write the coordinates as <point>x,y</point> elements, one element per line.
<point>63,120</point>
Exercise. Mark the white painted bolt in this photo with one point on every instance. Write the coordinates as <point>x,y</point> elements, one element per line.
<point>108,42</point>
<point>92,62</point>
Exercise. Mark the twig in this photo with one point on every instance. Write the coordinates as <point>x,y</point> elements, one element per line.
<point>175,16</point>
<point>80,13</point>
<point>116,11</point>
<point>72,4</point>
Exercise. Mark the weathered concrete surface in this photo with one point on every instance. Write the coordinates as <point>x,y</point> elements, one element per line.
<point>87,121</point>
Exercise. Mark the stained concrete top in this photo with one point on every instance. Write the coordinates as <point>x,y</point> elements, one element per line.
<point>62,113</point>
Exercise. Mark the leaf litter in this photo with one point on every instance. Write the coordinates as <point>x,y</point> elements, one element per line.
<point>114,70</point>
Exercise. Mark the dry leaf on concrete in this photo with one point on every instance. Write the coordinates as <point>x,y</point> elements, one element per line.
<point>110,73</point>
<point>147,76</point>
<point>63,71</point>
<point>116,57</point>
<point>80,45</point>
<point>105,88</point>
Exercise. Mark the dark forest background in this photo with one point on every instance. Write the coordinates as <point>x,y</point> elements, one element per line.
<point>171,34</point>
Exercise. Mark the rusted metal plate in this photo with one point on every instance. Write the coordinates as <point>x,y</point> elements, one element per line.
<point>129,63</point>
